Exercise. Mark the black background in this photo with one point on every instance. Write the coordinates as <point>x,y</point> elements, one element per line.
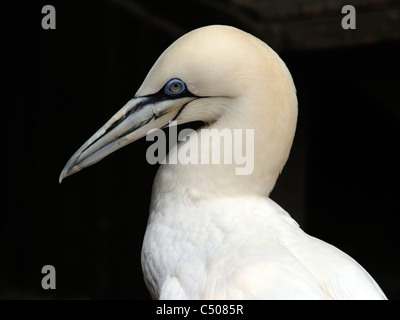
<point>60,86</point>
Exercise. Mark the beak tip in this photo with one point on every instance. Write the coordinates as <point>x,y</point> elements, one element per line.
<point>62,176</point>
<point>67,171</point>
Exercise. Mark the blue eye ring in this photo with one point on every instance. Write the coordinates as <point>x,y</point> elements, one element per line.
<point>174,87</point>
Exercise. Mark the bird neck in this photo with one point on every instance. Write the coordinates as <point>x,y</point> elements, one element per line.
<point>257,139</point>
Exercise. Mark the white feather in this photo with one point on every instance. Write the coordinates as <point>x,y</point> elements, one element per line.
<point>244,248</point>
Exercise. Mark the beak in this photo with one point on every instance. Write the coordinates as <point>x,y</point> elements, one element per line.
<point>129,124</point>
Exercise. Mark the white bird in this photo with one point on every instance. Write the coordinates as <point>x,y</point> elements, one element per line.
<point>213,234</point>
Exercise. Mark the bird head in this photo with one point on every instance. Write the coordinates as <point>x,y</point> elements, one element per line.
<point>203,76</point>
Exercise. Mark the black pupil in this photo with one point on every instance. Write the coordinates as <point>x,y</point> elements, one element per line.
<point>176,87</point>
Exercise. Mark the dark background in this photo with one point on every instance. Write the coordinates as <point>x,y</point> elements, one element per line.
<point>341,182</point>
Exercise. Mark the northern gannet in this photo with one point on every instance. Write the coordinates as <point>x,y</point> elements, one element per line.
<point>211,233</point>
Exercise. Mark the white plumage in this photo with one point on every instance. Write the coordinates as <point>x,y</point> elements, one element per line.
<point>213,234</point>
<point>211,251</point>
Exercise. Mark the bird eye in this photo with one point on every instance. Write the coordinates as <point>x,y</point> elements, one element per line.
<point>174,87</point>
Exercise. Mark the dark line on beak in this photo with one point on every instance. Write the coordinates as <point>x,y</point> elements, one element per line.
<point>183,107</point>
<point>133,109</point>
<point>153,98</point>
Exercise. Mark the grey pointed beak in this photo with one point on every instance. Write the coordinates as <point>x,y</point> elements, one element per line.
<point>129,124</point>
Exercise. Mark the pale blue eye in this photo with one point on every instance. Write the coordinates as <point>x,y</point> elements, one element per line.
<point>174,87</point>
